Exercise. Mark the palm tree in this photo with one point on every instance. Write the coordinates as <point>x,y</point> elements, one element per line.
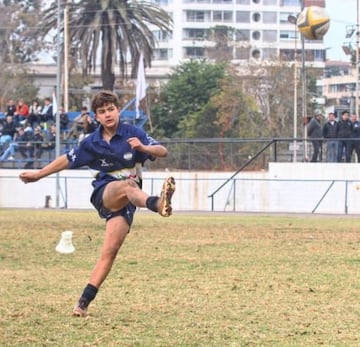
<point>117,30</point>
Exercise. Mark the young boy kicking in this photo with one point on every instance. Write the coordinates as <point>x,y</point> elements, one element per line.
<point>116,153</point>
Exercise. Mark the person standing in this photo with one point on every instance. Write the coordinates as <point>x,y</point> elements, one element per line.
<point>330,130</point>
<point>355,143</point>
<point>344,138</point>
<point>314,131</point>
<point>115,152</point>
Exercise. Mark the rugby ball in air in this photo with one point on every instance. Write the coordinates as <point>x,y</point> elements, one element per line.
<point>313,22</point>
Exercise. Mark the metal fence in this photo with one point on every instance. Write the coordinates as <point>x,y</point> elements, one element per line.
<point>208,154</point>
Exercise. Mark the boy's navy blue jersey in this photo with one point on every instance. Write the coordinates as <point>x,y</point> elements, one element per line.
<point>111,161</point>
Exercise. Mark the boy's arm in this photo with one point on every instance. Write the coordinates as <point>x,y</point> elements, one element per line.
<point>153,150</point>
<point>59,164</point>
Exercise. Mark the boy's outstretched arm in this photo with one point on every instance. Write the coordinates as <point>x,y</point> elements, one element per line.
<point>59,164</point>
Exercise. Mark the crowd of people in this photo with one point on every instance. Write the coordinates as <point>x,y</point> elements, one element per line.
<point>30,130</point>
<point>341,137</point>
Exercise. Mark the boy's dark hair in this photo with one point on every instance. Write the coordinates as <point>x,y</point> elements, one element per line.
<point>104,98</point>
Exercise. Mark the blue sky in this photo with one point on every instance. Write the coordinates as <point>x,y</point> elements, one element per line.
<point>341,13</point>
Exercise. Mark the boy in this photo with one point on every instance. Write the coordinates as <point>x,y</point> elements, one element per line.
<point>116,153</point>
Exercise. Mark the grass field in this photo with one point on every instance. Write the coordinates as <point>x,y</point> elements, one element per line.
<point>189,280</point>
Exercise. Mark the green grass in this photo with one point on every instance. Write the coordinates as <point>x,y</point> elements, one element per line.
<point>189,280</point>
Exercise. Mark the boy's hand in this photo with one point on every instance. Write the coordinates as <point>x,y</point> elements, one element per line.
<point>29,176</point>
<point>135,143</point>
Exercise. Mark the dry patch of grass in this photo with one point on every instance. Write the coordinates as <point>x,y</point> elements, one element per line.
<point>190,280</point>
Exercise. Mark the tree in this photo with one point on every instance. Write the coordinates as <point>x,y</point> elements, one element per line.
<point>222,36</point>
<point>18,41</point>
<point>189,89</point>
<point>116,29</point>
<point>237,114</point>
<point>16,85</point>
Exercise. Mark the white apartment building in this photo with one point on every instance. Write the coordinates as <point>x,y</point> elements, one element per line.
<point>260,31</point>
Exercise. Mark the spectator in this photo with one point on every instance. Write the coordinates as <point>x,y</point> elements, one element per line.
<point>37,142</point>
<point>344,136</point>
<point>355,144</point>
<point>314,131</point>
<point>89,126</point>
<point>330,130</point>
<point>50,140</point>
<point>46,114</point>
<point>64,119</point>
<point>11,108</point>
<point>8,131</point>
<point>34,113</point>
<point>22,144</point>
<point>77,127</point>
<point>21,112</point>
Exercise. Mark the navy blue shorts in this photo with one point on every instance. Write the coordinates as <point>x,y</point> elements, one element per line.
<point>97,200</point>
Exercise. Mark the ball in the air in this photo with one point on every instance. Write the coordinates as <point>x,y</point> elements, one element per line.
<point>313,22</point>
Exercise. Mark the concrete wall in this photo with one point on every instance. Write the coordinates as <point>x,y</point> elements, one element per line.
<point>286,187</point>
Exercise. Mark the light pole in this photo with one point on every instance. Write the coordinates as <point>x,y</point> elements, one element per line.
<point>303,90</point>
<point>292,19</point>
<point>348,50</point>
<point>58,86</point>
<point>357,61</point>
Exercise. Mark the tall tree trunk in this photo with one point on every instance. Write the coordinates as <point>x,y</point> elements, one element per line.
<point>107,75</point>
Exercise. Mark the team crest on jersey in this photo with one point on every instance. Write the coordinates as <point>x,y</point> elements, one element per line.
<point>128,156</point>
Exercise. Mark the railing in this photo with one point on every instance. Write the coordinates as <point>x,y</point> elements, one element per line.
<point>272,142</point>
<point>218,154</point>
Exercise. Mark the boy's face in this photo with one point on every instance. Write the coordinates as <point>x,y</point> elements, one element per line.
<point>108,115</point>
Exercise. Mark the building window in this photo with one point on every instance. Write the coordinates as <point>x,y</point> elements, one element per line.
<point>197,16</point>
<point>194,52</point>
<point>256,35</point>
<point>242,35</point>
<point>242,17</point>
<point>284,17</point>
<point>195,34</point>
<point>270,2</point>
<point>162,54</point>
<point>270,35</point>
<point>256,54</point>
<point>243,2</point>
<point>222,16</point>
<point>287,35</point>
<point>319,55</point>
<point>162,36</point>
<point>222,1</point>
<point>269,17</point>
<point>290,3</point>
<point>256,17</point>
